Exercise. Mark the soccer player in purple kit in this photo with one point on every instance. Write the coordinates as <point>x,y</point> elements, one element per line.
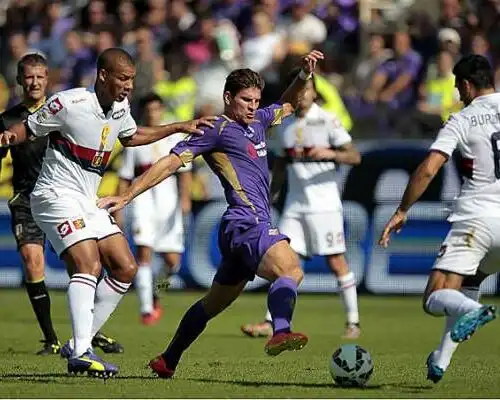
<point>235,149</point>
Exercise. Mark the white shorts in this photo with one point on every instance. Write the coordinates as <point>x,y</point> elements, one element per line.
<point>161,231</point>
<point>314,234</point>
<point>69,218</point>
<point>466,246</point>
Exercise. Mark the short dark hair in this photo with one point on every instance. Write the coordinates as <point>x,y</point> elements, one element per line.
<point>110,57</point>
<point>293,74</point>
<point>476,69</point>
<point>30,59</point>
<point>244,78</point>
<point>149,98</point>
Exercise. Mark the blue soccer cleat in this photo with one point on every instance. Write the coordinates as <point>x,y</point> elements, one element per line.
<point>92,365</point>
<point>66,350</point>
<point>470,322</point>
<point>434,373</point>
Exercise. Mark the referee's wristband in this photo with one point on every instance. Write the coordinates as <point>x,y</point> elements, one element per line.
<point>304,76</point>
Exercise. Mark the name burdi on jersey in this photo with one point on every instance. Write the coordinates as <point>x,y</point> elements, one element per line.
<point>484,119</point>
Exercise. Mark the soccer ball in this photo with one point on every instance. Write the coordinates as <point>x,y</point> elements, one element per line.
<point>351,365</point>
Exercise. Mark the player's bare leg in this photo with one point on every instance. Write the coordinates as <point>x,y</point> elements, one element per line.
<point>281,266</point>
<point>443,297</point>
<point>144,284</point>
<point>348,293</point>
<point>194,321</point>
<point>34,272</point>
<point>84,266</point>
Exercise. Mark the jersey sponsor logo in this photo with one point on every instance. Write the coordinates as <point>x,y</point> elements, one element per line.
<point>118,114</point>
<point>55,106</point>
<point>79,223</point>
<point>252,152</point>
<point>315,122</point>
<point>64,229</point>
<point>42,116</point>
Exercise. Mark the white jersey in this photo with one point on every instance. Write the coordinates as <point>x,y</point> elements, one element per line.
<point>81,140</point>
<point>311,184</point>
<point>475,132</point>
<point>136,160</point>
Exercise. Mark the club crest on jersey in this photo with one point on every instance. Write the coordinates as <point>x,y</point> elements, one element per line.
<point>79,223</point>
<point>250,133</point>
<point>118,114</point>
<point>55,106</point>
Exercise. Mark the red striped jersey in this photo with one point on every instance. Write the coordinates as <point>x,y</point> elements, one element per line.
<point>81,138</point>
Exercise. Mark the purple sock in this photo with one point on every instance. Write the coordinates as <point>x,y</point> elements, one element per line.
<point>281,303</point>
<point>191,326</point>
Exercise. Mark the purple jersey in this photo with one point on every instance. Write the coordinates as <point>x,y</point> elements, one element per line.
<point>238,156</point>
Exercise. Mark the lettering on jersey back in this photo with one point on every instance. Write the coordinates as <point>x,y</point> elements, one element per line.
<point>55,106</point>
<point>484,119</point>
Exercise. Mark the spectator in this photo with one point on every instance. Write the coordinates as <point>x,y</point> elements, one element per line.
<point>449,41</point>
<point>49,33</point>
<point>149,66</point>
<point>78,63</point>
<point>438,100</point>
<point>127,17</point>
<point>394,82</point>
<point>304,26</point>
<point>266,48</point>
<point>177,88</point>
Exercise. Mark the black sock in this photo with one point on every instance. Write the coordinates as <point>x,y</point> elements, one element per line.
<point>40,301</point>
<point>192,324</point>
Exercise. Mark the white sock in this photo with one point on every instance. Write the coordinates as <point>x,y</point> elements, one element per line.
<point>349,295</point>
<point>450,302</point>
<point>447,346</point>
<point>268,318</point>
<point>107,296</point>
<point>81,293</point>
<point>144,287</point>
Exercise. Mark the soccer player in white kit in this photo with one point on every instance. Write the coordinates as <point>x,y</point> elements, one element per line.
<point>83,125</point>
<point>156,214</point>
<point>453,286</point>
<point>311,143</point>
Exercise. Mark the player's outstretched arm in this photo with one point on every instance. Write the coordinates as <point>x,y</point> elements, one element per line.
<point>146,134</point>
<point>158,172</point>
<point>419,181</point>
<point>345,154</point>
<point>308,64</point>
<point>16,134</point>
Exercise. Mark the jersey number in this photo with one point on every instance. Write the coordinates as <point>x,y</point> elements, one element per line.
<point>495,139</point>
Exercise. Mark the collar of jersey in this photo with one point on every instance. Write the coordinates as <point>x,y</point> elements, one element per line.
<point>100,111</point>
<point>35,108</point>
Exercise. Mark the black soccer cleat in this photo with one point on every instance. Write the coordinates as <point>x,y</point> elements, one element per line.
<point>49,348</point>
<point>106,344</point>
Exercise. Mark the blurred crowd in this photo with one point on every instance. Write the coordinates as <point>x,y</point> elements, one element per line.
<point>387,72</point>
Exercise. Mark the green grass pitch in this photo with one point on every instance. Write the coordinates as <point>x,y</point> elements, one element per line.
<point>223,363</point>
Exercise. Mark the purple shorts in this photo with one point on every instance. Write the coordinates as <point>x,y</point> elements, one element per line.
<point>242,246</point>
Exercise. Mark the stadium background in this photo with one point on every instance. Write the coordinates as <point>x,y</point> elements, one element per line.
<point>184,50</point>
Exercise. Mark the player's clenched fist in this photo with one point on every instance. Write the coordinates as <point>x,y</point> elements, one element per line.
<point>7,138</point>
<point>310,60</point>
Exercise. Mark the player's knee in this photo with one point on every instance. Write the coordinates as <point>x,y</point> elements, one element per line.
<point>338,264</point>
<point>34,263</point>
<point>126,272</point>
<point>291,271</point>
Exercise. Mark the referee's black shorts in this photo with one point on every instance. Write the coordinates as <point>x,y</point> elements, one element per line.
<point>24,228</point>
